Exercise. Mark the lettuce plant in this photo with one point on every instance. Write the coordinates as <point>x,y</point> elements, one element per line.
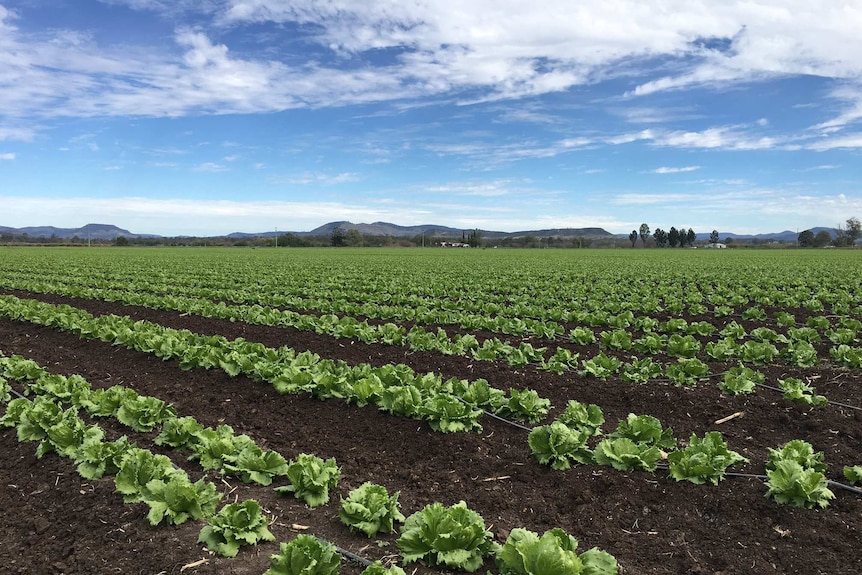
<point>799,451</point>
<point>853,473</point>
<point>142,413</point>
<point>137,468</point>
<point>797,390</point>
<point>619,339</point>
<point>703,460</point>
<point>5,390</point>
<point>582,336</point>
<point>254,465</point>
<point>97,459</point>
<point>624,454</point>
<point>403,400</point>
<point>585,418</point>
<point>602,366</point>
<point>685,346</point>
<point>645,429</point>
<point>483,396</point>
<point>800,353</point>
<point>741,380</point>
<point>651,343</point>
<point>792,484</point>
<point>687,371</point>
<point>311,478</point>
<point>305,555</point>
<point>554,553</point>
<point>234,525</point>
<point>377,568</point>
<point>453,537</point>
<point>558,445</point>
<point>370,509</point>
<point>723,349</point>
<point>179,432</point>
<point>214,446</point>
<point>176,499</point>
<point>640,370</point>
<point>106,402</point>
<point>525,405</point>
<point>758,352</point>
<point>448,414</point>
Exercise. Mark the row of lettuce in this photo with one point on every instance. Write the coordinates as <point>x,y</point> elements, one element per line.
<point>450,405</point>
<point>453,537</point>
<point>675,337</point>
<point>420,287</point>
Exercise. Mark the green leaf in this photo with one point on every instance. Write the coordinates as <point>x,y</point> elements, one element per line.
<point>624,454</point>
<point>558,445</point>
<point>311,479</point>
<point>254,465</point>
<point>370,509</point>
<point>853,474</point>
<point>799,451</point>
<point>234,525</point>
<point>305,555</point>
<point>453,537</point>
<point>584,418</point>
<point>176,499</point>
<point>791,484</point>
<point>704,460</point>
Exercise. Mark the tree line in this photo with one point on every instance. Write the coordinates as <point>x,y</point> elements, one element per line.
<point>844,236</point>
<point>670,238</point>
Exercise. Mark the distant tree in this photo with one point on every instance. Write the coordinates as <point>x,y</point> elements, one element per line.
<point>660,237</point>
<point>353,239</point>
<point>644,233</point>
<point>690,237</point>
<point>673,237</point>
<point>822,238</point>
<point>121,241</point>
<point>853,231</point>
<point>633,237</point>
<point>338,237</point>
<point>713,237</point>
<point>475,239</point>
<point>805,239</point>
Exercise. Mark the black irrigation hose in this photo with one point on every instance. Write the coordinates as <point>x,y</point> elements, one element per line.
<point>347,554</point>
<point>778,389</point>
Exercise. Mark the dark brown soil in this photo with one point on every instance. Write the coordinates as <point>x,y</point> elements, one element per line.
<point>55,522</point>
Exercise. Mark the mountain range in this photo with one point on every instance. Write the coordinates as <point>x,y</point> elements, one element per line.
<point>112,232</point>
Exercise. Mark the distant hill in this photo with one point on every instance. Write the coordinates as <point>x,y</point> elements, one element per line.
<point>90,231</point>
<point>787,236</point>
<point>432,231</point>
<point>110,232</point>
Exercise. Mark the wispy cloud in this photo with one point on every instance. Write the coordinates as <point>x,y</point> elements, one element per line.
<point>309,178</point>
<point>209,167</point>
<point>479,51</point>
<point>670,170</point>
<point>7,156</point>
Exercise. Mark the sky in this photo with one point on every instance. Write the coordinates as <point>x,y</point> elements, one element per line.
<point>206,117</point>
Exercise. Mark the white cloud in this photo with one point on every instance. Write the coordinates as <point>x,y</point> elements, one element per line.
<point>16,134</point>
<point>312,178</point>
<point>7,156</point>
<point>491,49</point>
<point>848,141</point>
<point>209,167</point>
<point>670,170</point>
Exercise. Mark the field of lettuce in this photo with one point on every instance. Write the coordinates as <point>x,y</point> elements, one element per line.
<point>323,411</point>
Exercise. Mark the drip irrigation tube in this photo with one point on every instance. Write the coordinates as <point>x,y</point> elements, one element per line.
<point>347,554</point>
<point>830,402</point>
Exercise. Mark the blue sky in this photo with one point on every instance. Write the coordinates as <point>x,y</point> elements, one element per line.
<point>207,117</point>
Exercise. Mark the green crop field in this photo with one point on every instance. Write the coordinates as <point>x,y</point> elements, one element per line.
<point>673,410</point>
